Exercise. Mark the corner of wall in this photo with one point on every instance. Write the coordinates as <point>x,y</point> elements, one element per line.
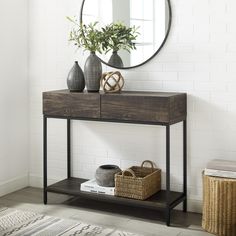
<point>13,185</point>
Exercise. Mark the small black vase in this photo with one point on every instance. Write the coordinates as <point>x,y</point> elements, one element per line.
<point>93,72</point>
<point>75,79</point>
<point>115,60</point>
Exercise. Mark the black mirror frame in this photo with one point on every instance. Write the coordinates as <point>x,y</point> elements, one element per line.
<point>150,58</point>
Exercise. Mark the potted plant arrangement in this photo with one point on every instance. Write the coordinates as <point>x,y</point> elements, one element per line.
<point>115,36</point>
<point>89,38</point>
<point>118,36</point>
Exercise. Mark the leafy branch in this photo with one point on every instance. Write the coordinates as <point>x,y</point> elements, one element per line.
<point>118,36</point>
<point>114,36</point>
<point>86,36</point>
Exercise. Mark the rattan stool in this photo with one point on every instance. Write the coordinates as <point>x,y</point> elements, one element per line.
<point>219,205</point>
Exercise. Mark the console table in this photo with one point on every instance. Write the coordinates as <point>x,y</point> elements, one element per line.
<point>150,108</point>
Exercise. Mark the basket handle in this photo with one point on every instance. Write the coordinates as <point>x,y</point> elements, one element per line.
<point>129,171</point>
<point>150,162</point>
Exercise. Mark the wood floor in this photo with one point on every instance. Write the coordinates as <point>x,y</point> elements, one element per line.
<point>144,222</point>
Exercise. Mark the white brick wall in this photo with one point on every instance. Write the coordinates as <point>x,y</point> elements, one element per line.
<point>199,58</point>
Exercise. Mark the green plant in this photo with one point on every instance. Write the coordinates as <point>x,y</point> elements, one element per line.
<point>117,36</point>
<point>88,36</point>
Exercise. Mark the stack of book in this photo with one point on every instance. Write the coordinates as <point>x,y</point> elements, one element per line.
<point>221,168</point>
<point>92,187</point>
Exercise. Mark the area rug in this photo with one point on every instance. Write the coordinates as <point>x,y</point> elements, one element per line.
<point>23,223</point>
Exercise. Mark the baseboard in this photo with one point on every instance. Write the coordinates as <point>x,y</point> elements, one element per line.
<point>14,185</point>
<point>37,181</point>
<point>194,205</point>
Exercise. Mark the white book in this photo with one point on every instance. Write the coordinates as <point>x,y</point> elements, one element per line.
<point>92,187</point>
<point>220,173</point>
<point>224,165</point>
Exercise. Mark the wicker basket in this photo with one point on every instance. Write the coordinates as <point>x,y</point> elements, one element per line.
<point>140,183</point>
<point>219,205</point>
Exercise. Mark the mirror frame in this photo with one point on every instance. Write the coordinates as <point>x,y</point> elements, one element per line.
<point>155,53</point>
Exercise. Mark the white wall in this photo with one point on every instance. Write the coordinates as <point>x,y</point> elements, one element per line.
<point>13,95</point>
<point>199,58</point>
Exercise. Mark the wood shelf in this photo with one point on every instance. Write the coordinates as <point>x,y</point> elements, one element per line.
<point>71,186</point>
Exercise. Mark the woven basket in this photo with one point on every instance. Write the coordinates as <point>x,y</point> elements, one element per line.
<point>138,182</point>
<point>219,205</point>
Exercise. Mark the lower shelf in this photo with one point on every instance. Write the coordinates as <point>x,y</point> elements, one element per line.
<point>71,186</point>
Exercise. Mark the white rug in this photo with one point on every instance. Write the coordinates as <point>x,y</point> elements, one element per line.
<point>22,223</point>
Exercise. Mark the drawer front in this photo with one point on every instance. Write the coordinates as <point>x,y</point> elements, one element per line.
<point>135,108</point>
<point>76,105</point>
<point>85,105</point>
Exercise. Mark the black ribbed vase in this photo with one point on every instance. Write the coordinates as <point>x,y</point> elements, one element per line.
<point>93,72</point>
<point>75,79</point>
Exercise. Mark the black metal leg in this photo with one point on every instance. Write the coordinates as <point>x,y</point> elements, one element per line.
<point>68,148</point>
<point>185,164</point>
<point>45,197</point>
<point>168,211</point>
<point>167,175</point>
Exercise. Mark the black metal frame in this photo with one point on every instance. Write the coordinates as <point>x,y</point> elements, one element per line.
<point>158,50</point>
<point>169,205</point>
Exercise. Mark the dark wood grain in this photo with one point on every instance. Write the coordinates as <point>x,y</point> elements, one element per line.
<point>143,107</point>
<point>71,186</point>
<point>178,108</point>
<point>149,107</point>
<point>66,104</point>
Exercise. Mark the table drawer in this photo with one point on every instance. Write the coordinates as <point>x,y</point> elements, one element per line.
<point>143,108</point>
<point>78,105</point>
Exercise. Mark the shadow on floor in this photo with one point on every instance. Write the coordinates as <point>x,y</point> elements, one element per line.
<point>178,218</point>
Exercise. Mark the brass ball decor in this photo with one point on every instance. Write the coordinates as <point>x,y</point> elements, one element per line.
<point>112,82</point>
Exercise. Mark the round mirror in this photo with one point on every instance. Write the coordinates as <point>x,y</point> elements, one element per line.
<point>146,21</point>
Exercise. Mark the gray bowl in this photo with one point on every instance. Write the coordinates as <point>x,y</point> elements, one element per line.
<point>105,175</point>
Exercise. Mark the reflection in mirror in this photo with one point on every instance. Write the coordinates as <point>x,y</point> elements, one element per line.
<point>152,18</point>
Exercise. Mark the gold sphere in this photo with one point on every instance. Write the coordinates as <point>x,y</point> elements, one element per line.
<point>112,82</point>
